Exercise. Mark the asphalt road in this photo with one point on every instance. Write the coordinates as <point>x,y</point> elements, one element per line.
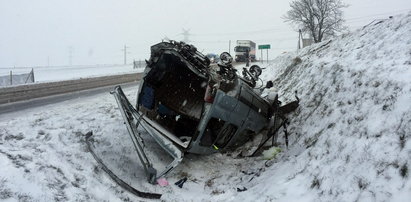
<point>37,102</point>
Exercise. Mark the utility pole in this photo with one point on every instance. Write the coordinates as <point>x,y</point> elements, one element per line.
<point>300,36</point>
<point>262,57</point>
<point>125,53</point>
<point>71,55</point>
<point>229,47</point>
<point>186,34</point>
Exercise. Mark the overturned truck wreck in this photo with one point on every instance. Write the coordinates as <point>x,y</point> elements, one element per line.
<point>189,106</point>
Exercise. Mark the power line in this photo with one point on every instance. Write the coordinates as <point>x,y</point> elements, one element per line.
<point>377,14</point>
<point>280,29</point>
<point>255,40</point>
<point>244,32</point>
<point>283,29</point>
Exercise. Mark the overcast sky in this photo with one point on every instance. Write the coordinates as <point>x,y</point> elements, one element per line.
<point>41,32</point>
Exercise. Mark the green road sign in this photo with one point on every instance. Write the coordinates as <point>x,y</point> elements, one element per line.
<point>266,46</point>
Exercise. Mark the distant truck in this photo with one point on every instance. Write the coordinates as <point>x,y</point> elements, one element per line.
<point>244,48</point>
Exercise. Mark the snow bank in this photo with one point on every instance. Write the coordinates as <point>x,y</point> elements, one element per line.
<point>351,135</point>
<point>50,74</point>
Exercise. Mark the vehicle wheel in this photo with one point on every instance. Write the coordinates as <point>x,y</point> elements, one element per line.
<point>255,70</point>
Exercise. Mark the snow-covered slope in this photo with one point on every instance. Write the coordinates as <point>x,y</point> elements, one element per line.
<point>350,139</point>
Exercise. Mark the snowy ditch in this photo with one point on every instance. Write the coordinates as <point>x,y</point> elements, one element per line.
<point>44,155</point>
<point>350,138</point>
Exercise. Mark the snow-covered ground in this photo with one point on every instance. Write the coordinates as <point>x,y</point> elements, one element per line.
<point>43,156</point>
<point>350,139</point>
<point>47,74</point>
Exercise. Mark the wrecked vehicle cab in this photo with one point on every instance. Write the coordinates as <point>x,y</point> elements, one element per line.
<point>189,106</point>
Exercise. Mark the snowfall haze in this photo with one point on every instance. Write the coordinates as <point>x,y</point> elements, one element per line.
<point>44,32</point>
<point>350,138</point>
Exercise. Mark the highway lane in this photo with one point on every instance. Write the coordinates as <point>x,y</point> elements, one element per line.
<point>38,102</point>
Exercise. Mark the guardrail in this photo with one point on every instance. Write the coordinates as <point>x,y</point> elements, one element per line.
<point>25,92</point>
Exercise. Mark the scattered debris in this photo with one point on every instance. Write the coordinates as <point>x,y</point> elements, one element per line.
<point>271,153</point>
<point>181,182</point>
<point>162,182</point>
<point>187,105</point>
<point>241,189</point>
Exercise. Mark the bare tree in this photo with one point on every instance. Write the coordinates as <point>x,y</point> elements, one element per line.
<point>319,18</point>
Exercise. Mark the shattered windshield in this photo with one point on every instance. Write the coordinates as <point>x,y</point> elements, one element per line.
<point>241,49</point>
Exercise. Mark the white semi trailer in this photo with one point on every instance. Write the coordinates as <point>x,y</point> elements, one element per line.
<point>243,49</point>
